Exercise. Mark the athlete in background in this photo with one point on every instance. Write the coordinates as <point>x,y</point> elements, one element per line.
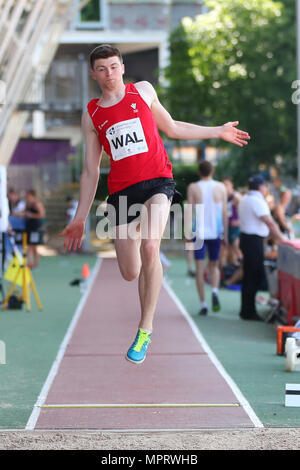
<point>125,123</point>
<point>212,195</point>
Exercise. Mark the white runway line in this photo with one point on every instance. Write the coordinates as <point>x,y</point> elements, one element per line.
<point>55,366</point>
<point>245,404</point>
<point>141,405</point>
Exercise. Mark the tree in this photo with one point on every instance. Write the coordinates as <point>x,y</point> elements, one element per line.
<point>238,62</point>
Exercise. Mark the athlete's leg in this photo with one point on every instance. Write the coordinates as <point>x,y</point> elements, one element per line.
<point>213,266</point>
<point>36,255</point>
<point>236,252</point>
<point>128,252</point>
<point>153,222</point>
<point>200,282</point>
<point>214,247</point>
<point>200,254</point>
<point>30,256</point>
<point>214,271</point>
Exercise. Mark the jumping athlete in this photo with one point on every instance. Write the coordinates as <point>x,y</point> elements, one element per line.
<point>125,122</point>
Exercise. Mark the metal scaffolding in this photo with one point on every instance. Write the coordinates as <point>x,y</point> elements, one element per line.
<point>30,31</point>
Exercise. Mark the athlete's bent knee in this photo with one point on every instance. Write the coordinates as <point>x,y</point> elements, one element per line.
<point>130,274</point>
<point>149,251</point>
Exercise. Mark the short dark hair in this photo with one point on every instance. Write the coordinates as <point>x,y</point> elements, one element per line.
<point>104,51</point>
<point>32,192</point>
<point>205,168</point>
<point>255,181</point>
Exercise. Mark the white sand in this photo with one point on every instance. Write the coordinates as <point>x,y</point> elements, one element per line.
<point>250,439</point>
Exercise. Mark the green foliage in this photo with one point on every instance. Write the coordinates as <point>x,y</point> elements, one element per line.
<point>237,62</point>
<point>91,12</point>
<point>184,175</point>
<point>233,165</point>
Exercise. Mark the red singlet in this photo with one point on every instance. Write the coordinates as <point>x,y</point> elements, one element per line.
<point>129,135</point>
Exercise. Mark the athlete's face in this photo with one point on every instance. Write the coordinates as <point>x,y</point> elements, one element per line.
<point>108,72</point>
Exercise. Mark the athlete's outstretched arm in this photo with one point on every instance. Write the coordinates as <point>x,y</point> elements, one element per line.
<point>187,131</point>
<point>88,184</point>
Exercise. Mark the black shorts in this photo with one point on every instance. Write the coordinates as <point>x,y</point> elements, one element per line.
<point>139,193</point>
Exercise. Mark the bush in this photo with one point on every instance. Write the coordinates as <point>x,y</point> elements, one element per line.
<point>184,175</point>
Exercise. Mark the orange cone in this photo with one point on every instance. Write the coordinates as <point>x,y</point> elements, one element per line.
<point>85,273</point>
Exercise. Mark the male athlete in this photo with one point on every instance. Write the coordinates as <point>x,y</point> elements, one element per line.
<point>212,195</point>
<point>125,122</point>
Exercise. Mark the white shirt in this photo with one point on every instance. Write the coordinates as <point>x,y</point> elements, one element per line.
<point>20,206</point>
<point>4,213</point>
<point>71,211</point>
<point>251,207</point>
<point>210,226</point>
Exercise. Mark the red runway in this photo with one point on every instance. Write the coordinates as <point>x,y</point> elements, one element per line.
<point>96,388</point>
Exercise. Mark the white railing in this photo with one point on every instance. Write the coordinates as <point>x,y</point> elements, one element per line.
<point>30,32</point>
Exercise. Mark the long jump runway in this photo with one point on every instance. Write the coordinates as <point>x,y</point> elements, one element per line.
<point>180,386</point>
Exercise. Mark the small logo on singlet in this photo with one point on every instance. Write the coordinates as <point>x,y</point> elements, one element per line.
<point>133,106</point>
<point>112,131</point>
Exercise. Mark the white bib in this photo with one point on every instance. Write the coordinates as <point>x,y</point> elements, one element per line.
<point>126,138</point>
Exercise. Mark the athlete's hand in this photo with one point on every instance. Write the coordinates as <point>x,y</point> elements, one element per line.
<point>73,233</point>
<point>229,133</point>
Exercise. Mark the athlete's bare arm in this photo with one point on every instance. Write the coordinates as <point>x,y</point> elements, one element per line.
<point>222,197</point>
<point>88,184</point>
<point>91,171</point>
<point>183,130</point>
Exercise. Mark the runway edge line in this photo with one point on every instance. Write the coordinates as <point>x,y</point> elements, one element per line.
<point>243,401</point>
<point>55,366</point>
